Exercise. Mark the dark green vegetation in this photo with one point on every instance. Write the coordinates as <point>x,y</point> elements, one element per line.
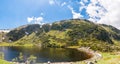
<point>21,58</point>
<point>74,32</point>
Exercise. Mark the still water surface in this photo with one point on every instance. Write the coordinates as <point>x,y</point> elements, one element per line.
<point>44,54</point>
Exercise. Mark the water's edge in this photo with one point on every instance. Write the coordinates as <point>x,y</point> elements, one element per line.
<point>94,56</point>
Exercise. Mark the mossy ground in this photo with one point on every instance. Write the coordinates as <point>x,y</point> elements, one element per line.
<point>4,62</point>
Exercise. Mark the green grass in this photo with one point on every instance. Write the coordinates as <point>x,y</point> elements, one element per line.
<point>110,58</point>
<point>73,46</point>
<point>4,62</point>
<point>57,34</point>
<point>4,44</point>
<point>15,44</point>
<point>107,58</point>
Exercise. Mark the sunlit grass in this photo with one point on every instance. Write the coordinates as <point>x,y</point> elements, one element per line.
<point>107,58</point>
<point>4,62</point>
<point>110,58</point>
<point>73,46</point>
<point>14,44</point>
<point>57,34</point>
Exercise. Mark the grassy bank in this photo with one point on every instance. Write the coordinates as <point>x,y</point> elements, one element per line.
<point>14,44</point>
<point>110,58</point>
<point>4,62</point>
<point>107,58</point>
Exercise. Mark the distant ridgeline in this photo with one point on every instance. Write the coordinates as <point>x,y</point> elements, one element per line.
<point>5,30</point>
<point>65,33</point>
<point>3,36</point>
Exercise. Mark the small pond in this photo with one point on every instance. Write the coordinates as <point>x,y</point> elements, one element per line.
<point>45,54</point>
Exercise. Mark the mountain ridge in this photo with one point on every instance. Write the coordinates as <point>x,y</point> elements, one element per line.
<point>72,32</point>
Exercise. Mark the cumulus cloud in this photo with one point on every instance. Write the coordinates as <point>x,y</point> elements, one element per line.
<point>102,11</point>
<point>51,2</point>
<point>36,20</point>
<point>83,4</point>
<point>30,19</point>
<point>95,11</point>
<point>75,14</point>
<point>112,17</point>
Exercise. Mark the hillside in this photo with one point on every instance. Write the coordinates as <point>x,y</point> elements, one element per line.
<point>65,33</point>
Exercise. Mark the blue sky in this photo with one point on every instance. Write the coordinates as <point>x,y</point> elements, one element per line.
<point>14,13</point>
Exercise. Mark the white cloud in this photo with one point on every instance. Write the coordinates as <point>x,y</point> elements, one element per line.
<point>51,2</point>
<point>95,10</point>
<point>30,19</point>
<point>103,11</point>
<point>75,14</point>
<point>64,3</point>
<point>82,5</point>
<point>112,17</point>
<point>36,20</point>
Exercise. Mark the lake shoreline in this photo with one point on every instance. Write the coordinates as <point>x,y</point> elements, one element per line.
<point>87,50</point>
<point>95,56</point>
<point>107,58</point>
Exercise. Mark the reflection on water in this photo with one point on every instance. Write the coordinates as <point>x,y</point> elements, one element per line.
<point>44,54</point>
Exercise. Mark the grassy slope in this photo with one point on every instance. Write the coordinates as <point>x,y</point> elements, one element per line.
<point>4,62</point>
<point>67,33</point>
<point>57,34</point>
